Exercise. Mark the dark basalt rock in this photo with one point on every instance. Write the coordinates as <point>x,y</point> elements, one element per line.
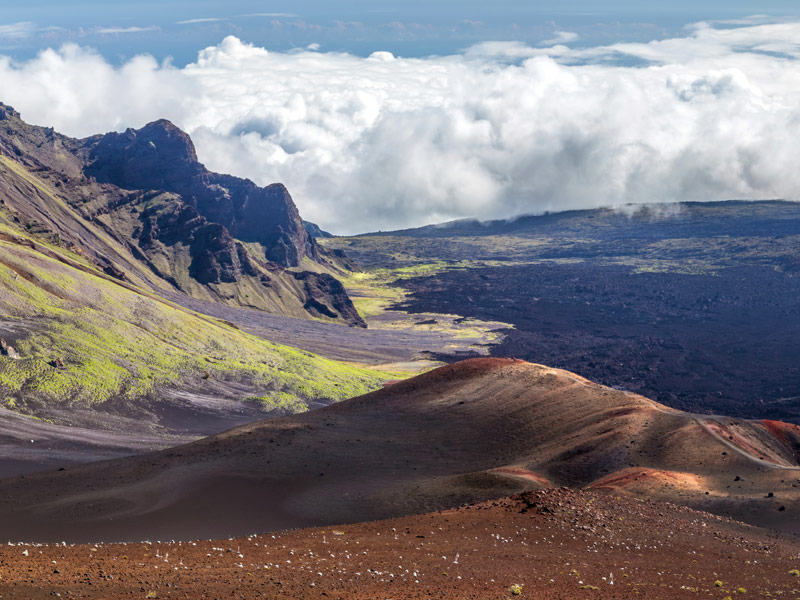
<point>315,231</point>
<point>216,256</point>
<point>7,112</point>
<point>326,297</point>
<point>162,157</point>
<point>343,259</point>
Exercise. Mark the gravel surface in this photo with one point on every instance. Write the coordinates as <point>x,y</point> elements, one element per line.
<point>545,544</point>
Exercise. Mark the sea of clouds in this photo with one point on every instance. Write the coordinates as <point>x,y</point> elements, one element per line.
<point>499,130</point>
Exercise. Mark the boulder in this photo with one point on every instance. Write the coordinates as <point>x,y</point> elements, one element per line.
<point>7,350</point>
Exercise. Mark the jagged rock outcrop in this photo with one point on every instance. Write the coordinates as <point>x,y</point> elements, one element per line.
<point>162,157</point>
<point>7,112</point>
<point>326,297</point>
<point>216,256</point>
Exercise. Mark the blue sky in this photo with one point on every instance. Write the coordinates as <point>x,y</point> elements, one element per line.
<point>179,28</point>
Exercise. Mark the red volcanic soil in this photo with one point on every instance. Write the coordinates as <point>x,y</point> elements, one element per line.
<point>641,478</point>
<point>523,473</point>
<point>748,438</point>
<point>553,544</point>
<point>787,433</point>
<point>461,434</point>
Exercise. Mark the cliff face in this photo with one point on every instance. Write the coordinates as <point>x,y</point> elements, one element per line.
<point>162,157</point>
<point>141,207</point>
<point>216,257</point>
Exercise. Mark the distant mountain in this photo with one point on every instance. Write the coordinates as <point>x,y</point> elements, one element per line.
<point>162,157</point>
<point>475,430</point>
<point>315,231</point>
<point>140,206</point>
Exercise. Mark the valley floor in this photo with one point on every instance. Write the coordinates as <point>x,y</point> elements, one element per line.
<point>543,544</point>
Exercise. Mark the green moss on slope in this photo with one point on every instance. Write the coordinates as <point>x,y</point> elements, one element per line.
<point>90,340</point>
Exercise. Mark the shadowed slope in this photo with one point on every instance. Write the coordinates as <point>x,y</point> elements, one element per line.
<point>475,430</point>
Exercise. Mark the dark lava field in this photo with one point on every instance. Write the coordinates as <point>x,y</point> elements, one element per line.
<point>724,343</point>
<point>695,305</point>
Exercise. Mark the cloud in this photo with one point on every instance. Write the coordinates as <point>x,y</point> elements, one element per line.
<point>273,14</point>
<point>124,29</point>
<point>561,37</point>
<point>17,31</point>
<point>203,20</point>
<point>499,130</point>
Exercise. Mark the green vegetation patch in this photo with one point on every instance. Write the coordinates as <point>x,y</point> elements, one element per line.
<point>375,293</point>
<point>91,340</point>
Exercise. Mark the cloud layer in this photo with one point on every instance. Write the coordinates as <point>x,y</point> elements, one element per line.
<point>499,130</point>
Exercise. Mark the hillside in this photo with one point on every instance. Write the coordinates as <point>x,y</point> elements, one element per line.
<point>145,301</point>
<point>98,329</point>
<point>460,434</point>
<point>82,339</point>
<point>691,304</point>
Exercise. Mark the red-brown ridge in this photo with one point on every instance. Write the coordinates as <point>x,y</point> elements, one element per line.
<point>463,433</point>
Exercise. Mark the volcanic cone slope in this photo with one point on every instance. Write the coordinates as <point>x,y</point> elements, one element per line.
<point>475,430</point>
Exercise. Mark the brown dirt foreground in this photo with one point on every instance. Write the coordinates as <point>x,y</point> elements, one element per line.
<point>554,543</point>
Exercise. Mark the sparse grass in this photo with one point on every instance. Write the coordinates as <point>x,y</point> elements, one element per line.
<point>375,292</point>
<point>115,342</point>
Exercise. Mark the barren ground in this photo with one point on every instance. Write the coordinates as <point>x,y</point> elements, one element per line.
<point>461,434</point>
<point>555,544</point>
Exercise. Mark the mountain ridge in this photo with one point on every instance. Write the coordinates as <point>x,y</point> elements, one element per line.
<point>96,196</point>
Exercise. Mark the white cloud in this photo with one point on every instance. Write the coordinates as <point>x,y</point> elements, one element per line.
<point>386,142</point>
<point>562,37</point>
<point>203,20</point>
<point>17,31</point>
<point>124,29</point>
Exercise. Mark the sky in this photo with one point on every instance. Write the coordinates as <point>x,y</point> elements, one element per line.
<point>379,115</point>
<point>120,29</point>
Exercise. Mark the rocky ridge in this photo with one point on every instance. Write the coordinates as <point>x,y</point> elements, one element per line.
<point>162,157</point>
<point>142,208</point>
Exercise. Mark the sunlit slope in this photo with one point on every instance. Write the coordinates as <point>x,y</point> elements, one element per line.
<point>86,338</point>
